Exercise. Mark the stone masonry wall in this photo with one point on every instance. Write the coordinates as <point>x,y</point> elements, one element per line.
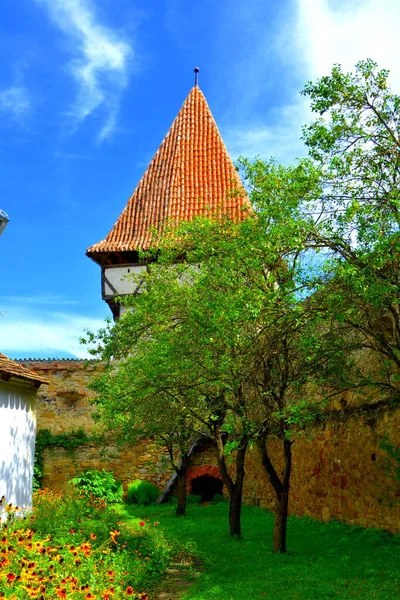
<point>64,406</point>
<point>338,472</point>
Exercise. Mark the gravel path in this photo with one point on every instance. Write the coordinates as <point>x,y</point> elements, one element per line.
<point>177,581</point>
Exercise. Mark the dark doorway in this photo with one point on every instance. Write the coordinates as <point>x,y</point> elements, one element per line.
<point>207,487</point>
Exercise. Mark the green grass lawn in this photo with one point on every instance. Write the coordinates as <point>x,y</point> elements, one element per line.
<point>324,561</point>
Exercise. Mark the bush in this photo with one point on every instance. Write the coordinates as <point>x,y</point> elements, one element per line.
<point>193,499</point>
<point>142,493</point>
<point>70,546</point>
<point>218,498</point>
<point>99,484</point>
<point>65,514</point>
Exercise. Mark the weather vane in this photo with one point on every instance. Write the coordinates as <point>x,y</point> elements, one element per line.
<point>196,76</point>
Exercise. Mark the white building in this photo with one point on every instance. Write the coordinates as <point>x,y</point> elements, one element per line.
<point>18,388</point>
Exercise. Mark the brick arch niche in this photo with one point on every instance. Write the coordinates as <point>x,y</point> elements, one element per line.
<point>204,480</point>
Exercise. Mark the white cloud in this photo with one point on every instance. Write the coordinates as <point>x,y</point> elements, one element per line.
<point>15,102</point>
<point>346,32</point>
<point>27,333</point>
<point>310,40</point>
<point>100,62</point>
<point>35,300</point>
<point>280,140</point>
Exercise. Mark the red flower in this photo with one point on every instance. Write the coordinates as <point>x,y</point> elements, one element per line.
<point>11,576</point>
<point>130,591</point>
<point>142,523</point>
<point>61,593</point>
<point>72,530</point>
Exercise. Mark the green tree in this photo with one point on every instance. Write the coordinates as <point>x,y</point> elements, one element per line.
<point>132,406</point>
<point>294,360</point>
<point>222,312</point>
<point>174,344</point>
<point>355,144</point>
<point>246,329</point>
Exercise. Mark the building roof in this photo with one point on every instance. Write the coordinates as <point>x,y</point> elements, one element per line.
<point>9,367</point>
<point>190,175</point>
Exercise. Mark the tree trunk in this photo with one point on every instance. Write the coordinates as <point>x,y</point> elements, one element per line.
<point>235,511</point>
<point>281,487</point>
<point>181,492</point>
<point>280,524</point>
<point>235,488</point>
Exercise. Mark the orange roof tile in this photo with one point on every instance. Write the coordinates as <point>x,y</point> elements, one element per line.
<point>190,175</point>
<point>10,367</point>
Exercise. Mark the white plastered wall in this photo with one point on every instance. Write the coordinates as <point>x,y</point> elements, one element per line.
<point>17,441</point>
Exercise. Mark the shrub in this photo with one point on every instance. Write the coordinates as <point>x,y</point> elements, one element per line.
<point>60,513</point>
<point>68,546</point>
<point>142,492</point>
<point>193,499</point>
<point>218,498</point>
<point>99,484</point>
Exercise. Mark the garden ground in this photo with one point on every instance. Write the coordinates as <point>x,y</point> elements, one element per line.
<point>325,560</point>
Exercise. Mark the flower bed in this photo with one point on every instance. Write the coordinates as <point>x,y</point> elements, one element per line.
<point>74,547</point>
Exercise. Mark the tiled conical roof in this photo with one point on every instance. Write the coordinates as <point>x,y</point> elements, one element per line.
<point>190,175</point>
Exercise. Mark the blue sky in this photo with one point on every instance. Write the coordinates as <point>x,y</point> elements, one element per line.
<point>89,88</point>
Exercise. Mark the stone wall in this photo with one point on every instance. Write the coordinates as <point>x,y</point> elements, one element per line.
<point>64,406</point>
<point>338,472</point>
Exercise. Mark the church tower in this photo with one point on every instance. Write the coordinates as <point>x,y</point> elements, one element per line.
<point>190,175</point>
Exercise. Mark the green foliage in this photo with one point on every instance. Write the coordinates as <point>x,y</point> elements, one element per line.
<point>99,484</point>
<point>327,561</point>
<point>142,493</point>
<point>392,459</point>
<point>37,472</point>
<point>355,142</point>
<point>70,440</point>
<point>218,498</point>
<point>71,544</point>
<point>57,514</point>
<point>202,353</point>
<point>193,499</point>
<point>246,329</point>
